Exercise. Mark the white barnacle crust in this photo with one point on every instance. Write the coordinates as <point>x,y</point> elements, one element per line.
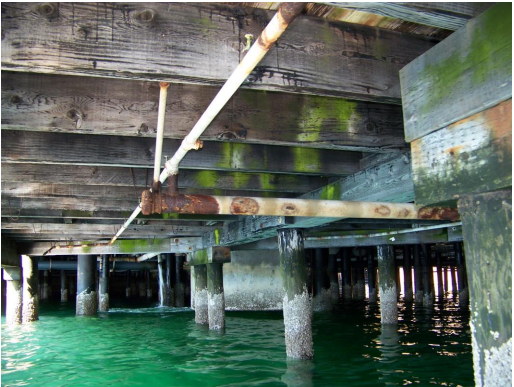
<point>298,329</point>
<point>388,305</point>
<point>201,307</point>
<point>87,303</point>
<point>216,310</point>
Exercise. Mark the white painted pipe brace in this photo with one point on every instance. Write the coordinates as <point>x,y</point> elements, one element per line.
<point>160,130</point>
<point>136,212</point>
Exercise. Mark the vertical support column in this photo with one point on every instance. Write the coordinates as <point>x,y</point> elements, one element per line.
<point>141,283</point>
<point>71,285</point>
<point>426,263</point>
<point>353,271</point>
<point>407,273</point>
<point>440,287</point>
<point>201,295</point>
<point>418,276</point>
<point>87,298</point>
<point>127,287</point>
<point>149,293</point>
<point>297,306</point>
<point>461,274</point>
<point>387,280</point>
<point>44,287</point>
<point>372,290</point>
<point>215,296</point>
<point>170,279</point>
<point>322,300</point>
<point>162,284</point>
<point>12,276</point>
<point>64,286</point>
<point>104,284</point>
<point>454,281</point>
<point>347,284</point>
<point>332,271</point>
<point>487,233</point>
<point>179,284</point>
<point>445,280</point>
<point>30,297</point>
<point>359,281</point>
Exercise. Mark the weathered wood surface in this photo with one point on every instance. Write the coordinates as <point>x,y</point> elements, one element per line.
<point>468,72</point>
<point>470,156</point>
<point>55,180</point>
<point>487,227</point>
<point>129,108</point>
<point>449,16</point>
<point>10,255</point>
<point>215,254</point>
<point>202,44</point>
<point>95,150</point>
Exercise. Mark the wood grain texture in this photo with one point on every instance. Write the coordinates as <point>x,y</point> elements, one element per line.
<point>93,150</point>
<point>86,105</point>
<point>468,72</point>
<point>470,156</point>
<point>202,44</point>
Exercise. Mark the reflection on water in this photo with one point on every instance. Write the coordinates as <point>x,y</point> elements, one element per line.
<point>163,346</point>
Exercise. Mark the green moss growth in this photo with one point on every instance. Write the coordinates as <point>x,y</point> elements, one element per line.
<point>306,159</point>
<point>331,192</point>
<point>132,245</point>
<point>217,236</point>
<point>86,246</point>
<point>207,179</point>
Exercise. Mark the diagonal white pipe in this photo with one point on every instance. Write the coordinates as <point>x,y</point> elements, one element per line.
<point>278,24</point>
<point>160,130</point>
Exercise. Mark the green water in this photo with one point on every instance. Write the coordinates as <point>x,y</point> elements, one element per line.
<point>164,347</point>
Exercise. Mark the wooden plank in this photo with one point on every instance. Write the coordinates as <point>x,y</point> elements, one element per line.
<point>202,44</point>
<point>471,156</point>
<point>129,108</point>
<point>94,150</point>
<point>468,72</point>
<point>118,183</point>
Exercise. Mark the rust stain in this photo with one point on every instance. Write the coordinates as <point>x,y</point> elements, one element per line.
<point>191,204</point>
<point>403,213</point>
<point>383,210</point>
<point>147,202</point>
<point>441,213</point>
<point>289,209</point>
<point>244,206</point>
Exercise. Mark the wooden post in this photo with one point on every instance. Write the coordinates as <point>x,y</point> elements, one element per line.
<point>201,297</point>
<point>332,271</point>
<point>372,289</point>
<point>461,274</point>
<point>64,286</point>
<point>487,232</point>
<point>104,285</point>
<point>297,305</point>
<point>359,283</point>
<point>347,274</point>
<point>87,298</point>
<point>321,295</point>
<point>179,284</point>
<point>170,279</point>
<point>445,280</point>
<point>30,302</point>
<point>418,278</point>
<point>388,289</point>
<point>12,276</point>
<point>440,287</point>
<point>407,273</point>
<point>426,264</point>
<point>215,296</point>
<point>454,280</point>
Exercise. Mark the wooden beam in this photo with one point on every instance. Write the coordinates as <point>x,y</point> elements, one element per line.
<point>129,108</point>
<point>202,44</point>
<point>215,254</point>
<point>116,151</point>
<point>468,72</point>
<point>471,155</point>
<point>10,255</point>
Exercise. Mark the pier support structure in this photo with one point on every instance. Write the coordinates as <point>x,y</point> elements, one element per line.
<point>454,281</point>
<point>215,296</point>
<point>179,284</point>
<point>487,231</point>
<point>440,285</point>
<point>201,295</point>
<point>372,289</point>
<point>418,275</point>
<point>149,293</point>
<point>332,272</point>
<point>407,273</point>
<point>12,276</point>
<point>426,264</point>
<point>45,288</point>
<point>360,285</point>
<point>127,287</point>
<point>347,274</point>
<point>170,279</point>
<point>87,299</point>
<point>297,305</point>
<point>104,285</point>
<point>461,274</point>
<point>322,300</point>
<point>30,297</point>
<point>387,282</point>
<point>64,286</point>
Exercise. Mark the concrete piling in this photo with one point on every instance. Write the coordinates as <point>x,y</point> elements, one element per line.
<point>170,279</point>
<point>461,274</point>
<point>127,287</point>
<point>387,281</point>
<point>64,286</point>
<point>201,300</point>
<point>332,272</point>
<point>104,285</point>
<point>360,284</point>
<point>418,276</point>
<point>149,293</point>
<point>87,298</point>
<point>322,300</point>
<point>215,296</point>
<point>45,286</point>
<point>297,305</point>
<point>30,297</point>
<point>427,274</point>
<point>141,283</point>
<point>454,281</point>
<point>407,273</point>
<point>440,286</point>
<point>179,282</point>
<point>13,307</point>
<point>347,274</point>
<point>372,289</point>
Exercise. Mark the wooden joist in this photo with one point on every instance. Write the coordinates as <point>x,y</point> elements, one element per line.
<point>120,151</point>
<point>88,105</point>
<point>202,44</point>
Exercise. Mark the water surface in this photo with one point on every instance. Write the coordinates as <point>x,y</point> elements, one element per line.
<point>154,346</point>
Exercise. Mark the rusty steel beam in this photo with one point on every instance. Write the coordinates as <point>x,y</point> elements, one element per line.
<point>235,205</point>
